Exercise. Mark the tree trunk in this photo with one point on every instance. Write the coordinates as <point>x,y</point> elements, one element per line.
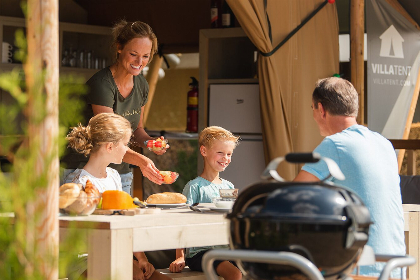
<point>41,70</point>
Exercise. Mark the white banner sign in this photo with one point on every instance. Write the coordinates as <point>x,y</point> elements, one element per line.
<point>393,46</point>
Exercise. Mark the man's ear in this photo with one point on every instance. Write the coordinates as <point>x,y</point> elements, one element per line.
<point>321,109</point>
<point>203,151</point>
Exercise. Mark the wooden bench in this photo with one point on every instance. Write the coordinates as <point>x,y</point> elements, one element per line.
<point>186,274</point>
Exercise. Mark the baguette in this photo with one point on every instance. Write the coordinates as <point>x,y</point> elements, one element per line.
<point>166,198</point>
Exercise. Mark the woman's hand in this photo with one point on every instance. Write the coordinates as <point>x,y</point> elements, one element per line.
<point>163,150</point>
<point>149,170</point>
<point>147,268</point>
<point>177,265</point>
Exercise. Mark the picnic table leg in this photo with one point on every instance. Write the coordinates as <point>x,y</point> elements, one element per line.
<point>411,229</point>
<point>110,254</point>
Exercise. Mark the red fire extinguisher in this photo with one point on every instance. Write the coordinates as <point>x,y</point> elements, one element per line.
<point>192,106</point>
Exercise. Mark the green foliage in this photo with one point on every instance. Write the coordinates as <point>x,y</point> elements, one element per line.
<point>186,165</point>
<point>20,187</point>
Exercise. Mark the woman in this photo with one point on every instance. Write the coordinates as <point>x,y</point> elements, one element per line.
<point>121,89</point>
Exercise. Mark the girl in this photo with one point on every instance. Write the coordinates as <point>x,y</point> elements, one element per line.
<point>105,139</point>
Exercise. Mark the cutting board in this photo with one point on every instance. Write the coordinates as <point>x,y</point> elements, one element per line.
<point>129,212</point>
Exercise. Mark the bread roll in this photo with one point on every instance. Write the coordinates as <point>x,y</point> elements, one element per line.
<point>166,198</point>
<point>78,205</point>
<point>68,194</point>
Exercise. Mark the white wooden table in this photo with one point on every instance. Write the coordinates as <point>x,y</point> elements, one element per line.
<point>412,237</point>
<point>113,239</point>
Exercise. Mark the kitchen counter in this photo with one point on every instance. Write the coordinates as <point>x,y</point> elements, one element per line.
<point>179,135</point>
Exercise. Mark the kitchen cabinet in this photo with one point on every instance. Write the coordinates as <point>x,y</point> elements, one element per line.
<point>227,56</point>
<point>229,97</point>
<point>74,38</point>
<point>89,45</point>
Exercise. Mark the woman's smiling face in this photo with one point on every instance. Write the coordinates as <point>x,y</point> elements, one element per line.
<point>135,55</point>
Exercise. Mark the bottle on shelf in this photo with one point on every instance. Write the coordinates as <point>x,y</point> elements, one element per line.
<point>65,59</point>
<point>89,60</point>
<point>81,61</point>
<point>103,62</point>
<point>214,14</point>
<point>228,18</point>
<point>96,64</point>
<point>73,59</point>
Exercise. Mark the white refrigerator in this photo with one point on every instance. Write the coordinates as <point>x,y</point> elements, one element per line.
<point>236,107</point>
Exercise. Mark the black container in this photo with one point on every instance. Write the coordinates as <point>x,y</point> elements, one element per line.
<point>327,224</point>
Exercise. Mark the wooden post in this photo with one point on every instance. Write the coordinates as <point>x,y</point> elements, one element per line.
<point>409,120</point>
<point>42,36</point>
<point>357,61</point>
<point>152,79</point>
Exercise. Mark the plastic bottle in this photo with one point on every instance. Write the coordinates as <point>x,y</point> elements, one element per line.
<point>192,106</point>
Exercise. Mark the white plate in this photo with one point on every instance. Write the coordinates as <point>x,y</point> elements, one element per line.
<point>224,210</point>
<point>166,205</point>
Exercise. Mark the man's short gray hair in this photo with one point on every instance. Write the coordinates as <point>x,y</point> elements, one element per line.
<point>338,96</point>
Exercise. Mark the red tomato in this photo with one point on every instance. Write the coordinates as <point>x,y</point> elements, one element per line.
<point>150,144</point>
<point>158,143</point>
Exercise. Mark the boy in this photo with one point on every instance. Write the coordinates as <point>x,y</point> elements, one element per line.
<point>216,147</point>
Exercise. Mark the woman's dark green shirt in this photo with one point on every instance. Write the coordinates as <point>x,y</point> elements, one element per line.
<point>102,90</point>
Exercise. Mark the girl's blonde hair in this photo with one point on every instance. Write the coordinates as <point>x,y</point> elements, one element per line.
<point>212,133</point>
<point>102,128</point>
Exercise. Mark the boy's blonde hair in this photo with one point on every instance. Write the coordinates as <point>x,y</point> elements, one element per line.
<point>102,128</point>
<point>212,133</point>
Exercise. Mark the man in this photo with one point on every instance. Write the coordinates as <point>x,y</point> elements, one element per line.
<point>367,160</point>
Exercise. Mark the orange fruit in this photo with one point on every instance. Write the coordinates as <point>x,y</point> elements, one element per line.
<point>117,200</point>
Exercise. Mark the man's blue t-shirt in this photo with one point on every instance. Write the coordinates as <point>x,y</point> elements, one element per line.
<point>369,163</point>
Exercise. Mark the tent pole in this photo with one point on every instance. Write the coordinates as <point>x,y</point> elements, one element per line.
<point>357,62</point>
<point>409,120</point>
<point>152,79</point>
